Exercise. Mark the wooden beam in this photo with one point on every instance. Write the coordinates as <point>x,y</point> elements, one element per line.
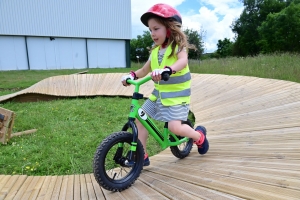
<point>23,133</point>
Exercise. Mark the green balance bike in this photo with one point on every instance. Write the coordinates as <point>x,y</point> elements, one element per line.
<point>119,159</point>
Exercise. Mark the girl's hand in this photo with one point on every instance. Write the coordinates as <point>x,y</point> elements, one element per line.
<point>156,74</point>
<point>131,76</point>
<point>124,78</point>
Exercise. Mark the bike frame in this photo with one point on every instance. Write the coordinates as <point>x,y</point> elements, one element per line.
<point>136,112</point>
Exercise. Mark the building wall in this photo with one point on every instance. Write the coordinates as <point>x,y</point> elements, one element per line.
<point>13,53</point>
<point>66,18</point>
<point>68,34</point>
<point>41,53</point>
<point>61,53</point>
<point>106,53</point>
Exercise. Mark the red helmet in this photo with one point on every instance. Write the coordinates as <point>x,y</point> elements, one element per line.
<point>161,10</point>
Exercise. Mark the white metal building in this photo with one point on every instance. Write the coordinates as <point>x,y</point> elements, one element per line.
<point>64,34</point>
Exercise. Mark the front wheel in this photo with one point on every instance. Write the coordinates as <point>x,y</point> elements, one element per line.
<point>182,150</point>
<point>110,162</point>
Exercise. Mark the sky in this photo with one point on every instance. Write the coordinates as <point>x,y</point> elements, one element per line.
<point>211,17</point>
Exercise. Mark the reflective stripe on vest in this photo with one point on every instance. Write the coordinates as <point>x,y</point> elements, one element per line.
<point>177,89</point>
<point>176,79</point>
<point>165,95</point>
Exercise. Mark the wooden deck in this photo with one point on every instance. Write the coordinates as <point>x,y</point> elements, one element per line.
<point>254,133</point>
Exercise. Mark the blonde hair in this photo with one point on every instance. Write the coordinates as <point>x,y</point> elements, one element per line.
<point>177,36</point>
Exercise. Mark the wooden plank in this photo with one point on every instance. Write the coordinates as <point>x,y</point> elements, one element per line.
<point>16,187</point>
<point>34,188</point>
<point>227,184</point>
<point>143,191</point>
<point>3,180</point>
<point>237,94</point>
<point>57,187</point>
<point>276,178</point>
<point>63,188</point>
<point>196,191</point>
<point>51,187</point>
<point>23,188</point>
<point>37,187</point>
<point>83,187</point>
<point>70,187</point>
<point>44,188</point>
<point>168,190</point>
<point>109,195</point>
<point>7,186</point>
<point>97,188</point>
<point>89,186</point>
<point>77,194</point>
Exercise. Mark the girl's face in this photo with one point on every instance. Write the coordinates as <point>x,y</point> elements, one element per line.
<point>158,31</point>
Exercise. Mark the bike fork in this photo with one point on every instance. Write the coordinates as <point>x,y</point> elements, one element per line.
<point>131,153</point>
<point>134,140</point>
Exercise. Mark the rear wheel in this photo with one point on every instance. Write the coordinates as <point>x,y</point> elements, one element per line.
<point>182,150</point>
<point>111,168</point>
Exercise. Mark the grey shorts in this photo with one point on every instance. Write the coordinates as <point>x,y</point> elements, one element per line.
<point>159,112</point>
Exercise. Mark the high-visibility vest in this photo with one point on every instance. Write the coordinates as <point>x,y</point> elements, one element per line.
<point>175,91</point>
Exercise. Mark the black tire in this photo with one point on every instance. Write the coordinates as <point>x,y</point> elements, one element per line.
<point>184,149</point>
<point>109,169</point>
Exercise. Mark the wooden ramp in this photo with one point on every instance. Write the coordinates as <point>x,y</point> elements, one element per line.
<point>254,133</point>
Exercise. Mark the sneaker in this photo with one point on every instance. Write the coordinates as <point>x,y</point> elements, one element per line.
<point>146,160</point>
<point>202,148</point>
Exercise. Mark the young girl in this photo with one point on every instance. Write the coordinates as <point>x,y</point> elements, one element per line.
<point>170,99</point>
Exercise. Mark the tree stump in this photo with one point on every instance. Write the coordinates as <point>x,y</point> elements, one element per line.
<point>6,124</point>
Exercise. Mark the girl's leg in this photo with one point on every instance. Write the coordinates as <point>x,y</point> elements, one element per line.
<point>143,135</point>
<point>198,135</point>
<point>184,130</point>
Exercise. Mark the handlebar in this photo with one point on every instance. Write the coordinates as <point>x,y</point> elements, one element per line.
<point>164,76</point>
<point>138,82</point>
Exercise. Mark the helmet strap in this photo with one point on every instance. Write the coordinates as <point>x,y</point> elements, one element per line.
<point>168,33</point>
<point>167,39</point>
<point>164,45</point>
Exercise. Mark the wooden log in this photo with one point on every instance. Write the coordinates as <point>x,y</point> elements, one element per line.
<point>23,133</point>
<point>83,72</point>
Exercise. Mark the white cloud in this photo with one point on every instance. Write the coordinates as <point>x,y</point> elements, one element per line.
<point>212,16</point>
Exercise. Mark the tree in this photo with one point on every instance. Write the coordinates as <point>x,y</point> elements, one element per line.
<point>195,38</point>
<point>224,48</point>
<point>140,47</point>
<point>142,44</point>
<point>281,31</point>
<point>254,14</point>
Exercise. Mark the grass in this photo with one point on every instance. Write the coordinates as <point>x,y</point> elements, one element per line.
<point>277,66</point>
<point>66,139</point>
<point>69,130</point>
